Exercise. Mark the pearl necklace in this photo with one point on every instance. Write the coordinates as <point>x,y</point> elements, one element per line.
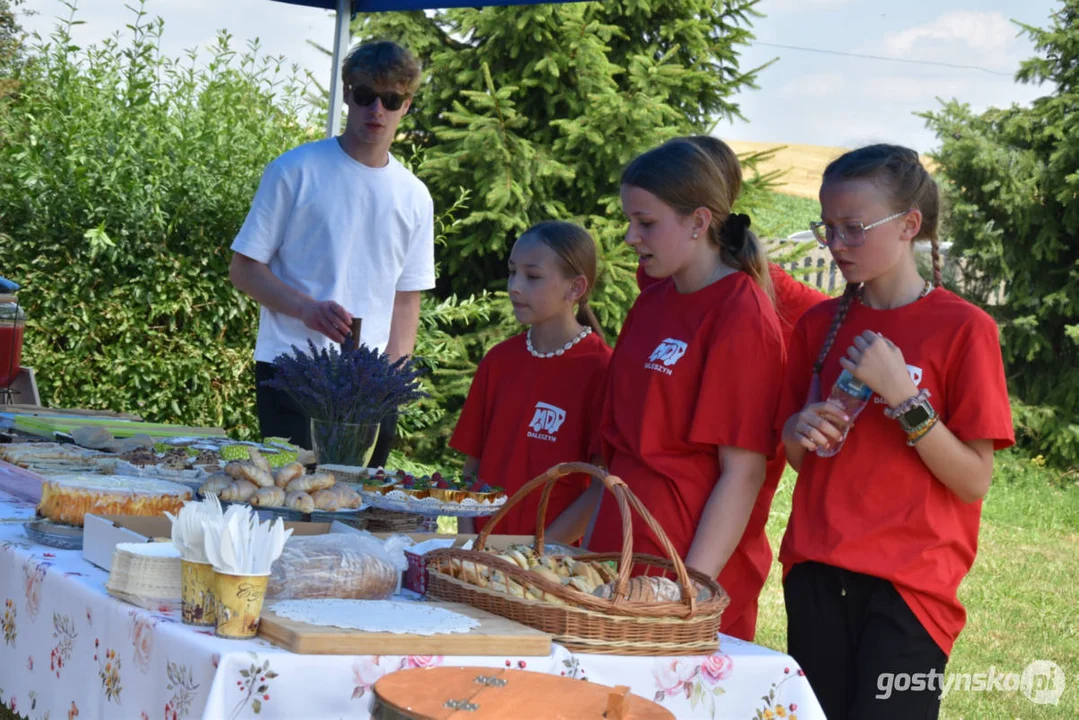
<point>528,341</point>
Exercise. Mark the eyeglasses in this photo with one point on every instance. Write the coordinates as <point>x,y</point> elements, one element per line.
<point>852,234</point>
<point>363,95</point>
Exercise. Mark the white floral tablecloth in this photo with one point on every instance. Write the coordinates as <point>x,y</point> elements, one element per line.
<point>70,651</point>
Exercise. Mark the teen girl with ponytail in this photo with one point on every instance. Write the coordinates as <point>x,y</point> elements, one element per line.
<point>882,533</point>
<point>694,377</point>
<point>792,298</point>
<point>535,399</point>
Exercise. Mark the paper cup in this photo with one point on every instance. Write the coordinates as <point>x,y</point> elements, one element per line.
<point>238,604</point>
<point>197,593</point>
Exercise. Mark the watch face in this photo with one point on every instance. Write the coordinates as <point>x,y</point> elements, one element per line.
<point>916,416</point>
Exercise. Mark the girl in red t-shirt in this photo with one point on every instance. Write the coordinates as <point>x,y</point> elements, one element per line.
<point>882,533</point>
<point>694,377</point>
<point>792,299</point>
<point>533,402</point>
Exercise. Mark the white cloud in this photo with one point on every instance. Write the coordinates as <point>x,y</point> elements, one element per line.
<point>961,36</point>
<point>819,85</point>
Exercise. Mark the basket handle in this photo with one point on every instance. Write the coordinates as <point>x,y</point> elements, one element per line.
<point>625,498</point>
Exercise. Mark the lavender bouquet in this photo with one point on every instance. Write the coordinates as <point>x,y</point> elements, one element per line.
<point>346,394</point>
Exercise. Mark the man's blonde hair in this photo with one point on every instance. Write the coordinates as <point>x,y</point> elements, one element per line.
<point>383,63</point>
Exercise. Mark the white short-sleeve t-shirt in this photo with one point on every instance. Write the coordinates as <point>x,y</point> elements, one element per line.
<point>338,230</point>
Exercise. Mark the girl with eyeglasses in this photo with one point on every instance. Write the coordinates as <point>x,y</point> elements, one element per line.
<point>882,533</point>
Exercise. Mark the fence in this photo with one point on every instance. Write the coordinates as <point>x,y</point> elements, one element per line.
<point>814,265</point>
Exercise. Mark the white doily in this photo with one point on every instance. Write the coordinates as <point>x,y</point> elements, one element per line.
<point>376,616</point>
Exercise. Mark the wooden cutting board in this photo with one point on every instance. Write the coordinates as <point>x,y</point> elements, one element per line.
<point>495,636</point>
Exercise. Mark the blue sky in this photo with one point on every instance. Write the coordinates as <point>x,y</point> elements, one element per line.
<point>805,97</point>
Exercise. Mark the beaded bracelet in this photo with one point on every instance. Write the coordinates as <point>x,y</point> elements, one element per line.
<point>907,405</point>
<point>922,431</point>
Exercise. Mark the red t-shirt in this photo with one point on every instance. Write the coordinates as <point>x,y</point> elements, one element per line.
<point>525,414</point>
<point>875,508</point>
<point>793,299</point>
<point>691,373</point>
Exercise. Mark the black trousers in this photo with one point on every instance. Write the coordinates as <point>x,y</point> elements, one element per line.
<point>280,416</point>
<point>863,651</point>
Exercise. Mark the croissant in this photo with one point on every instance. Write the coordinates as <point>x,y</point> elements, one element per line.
<point>256,475</point>
<point>268,497</point>
<point>287,474</point>
<point>258,461</point>
<point>239,491</point>
<point>232,469</point>
<point>301,501</point>
<point>327,500</point>
<point>347,497</point>
<point>310,483</point>
<point>215,484</point>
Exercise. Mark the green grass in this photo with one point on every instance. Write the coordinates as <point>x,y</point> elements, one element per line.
<point>781,215</point>
<point>1020,595</point>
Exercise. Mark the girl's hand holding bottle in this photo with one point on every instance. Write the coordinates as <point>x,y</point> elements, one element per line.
<point>875,360</point>
<point>819,425</point>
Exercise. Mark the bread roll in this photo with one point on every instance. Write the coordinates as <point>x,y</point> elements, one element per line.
<point>301,501</point>
<point>310,483</point>
<point>256,475</point>
<point>326,500</point>
<point>347,497</point>
<point>268,497</point>
<point>258,461</point>
<point>606,571</point>
<point>239,491</point>
<point>548,574</point>
<point>215,484</point>
<point>589,573</point>
<point>287,474</point>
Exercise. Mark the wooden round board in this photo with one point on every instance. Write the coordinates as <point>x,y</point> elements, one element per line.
<point>478,693</point>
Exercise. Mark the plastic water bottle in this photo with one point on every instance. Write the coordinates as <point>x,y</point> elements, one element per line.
<point>852,395</point>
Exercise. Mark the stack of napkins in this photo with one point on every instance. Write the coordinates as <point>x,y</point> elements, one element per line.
<point>147,575</point>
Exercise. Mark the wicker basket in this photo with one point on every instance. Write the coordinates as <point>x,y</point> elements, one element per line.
<point>586,623</point>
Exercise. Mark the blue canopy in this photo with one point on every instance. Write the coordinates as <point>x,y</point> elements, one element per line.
<point>346,9</point>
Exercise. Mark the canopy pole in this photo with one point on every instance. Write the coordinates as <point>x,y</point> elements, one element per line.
<point>342,39</point>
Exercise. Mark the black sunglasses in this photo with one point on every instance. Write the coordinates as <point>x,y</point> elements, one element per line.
<point>363,95</point>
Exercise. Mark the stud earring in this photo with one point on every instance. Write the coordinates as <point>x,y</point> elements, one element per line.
<point>694,236</point>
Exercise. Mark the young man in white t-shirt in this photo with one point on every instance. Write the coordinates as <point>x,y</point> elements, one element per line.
<point>339,229</point>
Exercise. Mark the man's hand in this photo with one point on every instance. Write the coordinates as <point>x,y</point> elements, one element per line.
<point>328,318</point>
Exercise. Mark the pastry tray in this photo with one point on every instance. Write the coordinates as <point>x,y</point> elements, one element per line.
<point>46,532</point>
<point>429,506</point>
